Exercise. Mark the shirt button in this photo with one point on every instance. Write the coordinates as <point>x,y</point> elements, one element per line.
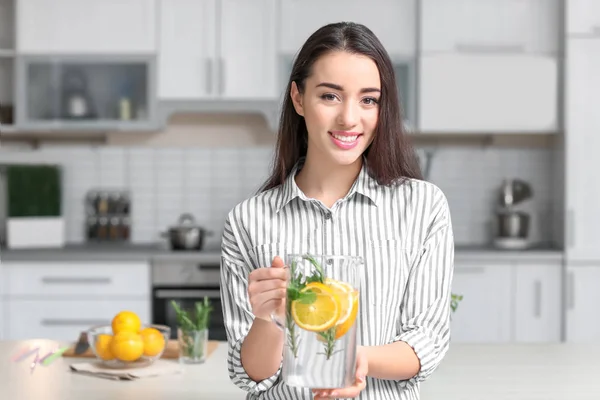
<point>328,216</point>
<point>329,261</point>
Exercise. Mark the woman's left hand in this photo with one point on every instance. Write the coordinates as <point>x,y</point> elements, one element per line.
<point>360,381</point>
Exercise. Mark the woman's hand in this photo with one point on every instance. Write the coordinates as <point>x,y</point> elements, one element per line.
<point>267,288</point>
<point>360,381</point>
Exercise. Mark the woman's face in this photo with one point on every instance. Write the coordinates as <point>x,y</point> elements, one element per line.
<point>340,105</point>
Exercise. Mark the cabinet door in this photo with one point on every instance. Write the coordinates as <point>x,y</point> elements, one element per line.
<point>90,26</point>
<point>247,63</point>
<point>64,319</point>
<point>187,49</point>
<point>582,142</point>
<point>537,306</point>
<point>582,299</point>
<point>483,316</point>
<point>490,25</point>
<point>393,21</point>
<point>583,17</point>
<point>487,93</point>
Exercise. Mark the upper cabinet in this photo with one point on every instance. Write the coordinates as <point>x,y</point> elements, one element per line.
<point>393,21</point>
<point>583,17</point>
<point>582,120</point>
<point>472,93</point>
<point>217,49</point>
<point>489,66</point>
<point>86,27</point>
<point>490,26</point>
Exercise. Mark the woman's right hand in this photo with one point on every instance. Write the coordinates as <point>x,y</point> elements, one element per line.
<point>267,288</point>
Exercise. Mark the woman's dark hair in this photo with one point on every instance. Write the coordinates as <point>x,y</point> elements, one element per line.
<point>390,157</point>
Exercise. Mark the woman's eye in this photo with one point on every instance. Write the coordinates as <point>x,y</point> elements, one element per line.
<point>328,96</point>
<point>371,101</point>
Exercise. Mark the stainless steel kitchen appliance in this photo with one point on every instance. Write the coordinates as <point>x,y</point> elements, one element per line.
<point>186,235</point>
<point>513,221</point>
<point>186,281</point>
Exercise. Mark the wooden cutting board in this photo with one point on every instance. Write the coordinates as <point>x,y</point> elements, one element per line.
<point>171,352</point>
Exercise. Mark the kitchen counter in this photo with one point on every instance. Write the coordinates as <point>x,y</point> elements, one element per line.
<point>111,252</point>
<point>469,372</point>
<point>159,252</point>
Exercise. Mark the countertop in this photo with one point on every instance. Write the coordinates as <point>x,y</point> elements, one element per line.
<point>469,372</point>
<point>161,252</point>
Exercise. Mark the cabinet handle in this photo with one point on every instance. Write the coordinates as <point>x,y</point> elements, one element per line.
<point>489,48</point>
<point>73,322</point>
<point>78,280</point>
<point>470,270</point>
<point>221,75</point>
<point>570,228</point>
<point>209,76</point>
<point>537,290</point>
<point>570,291</point>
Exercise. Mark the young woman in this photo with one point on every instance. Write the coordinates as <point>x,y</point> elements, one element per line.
<point>345,181</point>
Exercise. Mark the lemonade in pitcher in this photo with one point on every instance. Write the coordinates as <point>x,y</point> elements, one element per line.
<point>320,321</point>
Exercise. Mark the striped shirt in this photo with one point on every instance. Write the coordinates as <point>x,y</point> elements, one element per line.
<point>403,233</point>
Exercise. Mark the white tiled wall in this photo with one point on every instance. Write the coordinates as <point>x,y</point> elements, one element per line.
<point>208,182</point>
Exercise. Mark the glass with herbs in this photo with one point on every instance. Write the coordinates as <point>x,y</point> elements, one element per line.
<point>320,320</point>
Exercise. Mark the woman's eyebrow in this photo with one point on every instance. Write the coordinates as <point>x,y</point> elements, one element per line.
<point>341,89</point>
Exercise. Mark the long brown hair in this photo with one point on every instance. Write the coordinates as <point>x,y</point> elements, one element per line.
<point>390,157</point>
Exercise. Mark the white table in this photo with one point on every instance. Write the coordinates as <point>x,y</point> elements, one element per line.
<point>469,372</point>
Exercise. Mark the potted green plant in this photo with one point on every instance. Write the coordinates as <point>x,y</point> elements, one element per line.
<point>455,300</point>
<point>192,331</point>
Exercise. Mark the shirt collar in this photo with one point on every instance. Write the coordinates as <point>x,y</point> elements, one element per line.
<point>364,185</point>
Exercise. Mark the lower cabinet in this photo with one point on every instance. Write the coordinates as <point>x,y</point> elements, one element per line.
<point>57,301</point>
<point>64,320</point>
<point>582,296</point>
<point>506,302</point>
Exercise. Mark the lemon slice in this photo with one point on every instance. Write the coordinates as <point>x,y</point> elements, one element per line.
<point>349,305</point>
<point>321,314</point>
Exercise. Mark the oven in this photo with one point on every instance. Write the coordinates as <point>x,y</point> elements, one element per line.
<point>186,282</point>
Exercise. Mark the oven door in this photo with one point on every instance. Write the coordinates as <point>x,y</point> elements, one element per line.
<point>164,314</point>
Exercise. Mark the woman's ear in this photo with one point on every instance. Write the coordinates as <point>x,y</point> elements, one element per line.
<point>296,99</point>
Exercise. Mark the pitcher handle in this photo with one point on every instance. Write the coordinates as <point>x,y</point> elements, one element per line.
<point>279,322</point>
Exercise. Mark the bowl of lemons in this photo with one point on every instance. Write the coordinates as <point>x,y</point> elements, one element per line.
<point>127,342</point>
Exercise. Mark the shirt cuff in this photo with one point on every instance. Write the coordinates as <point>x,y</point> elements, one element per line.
<point>429,351</point>
<point>238,374</point>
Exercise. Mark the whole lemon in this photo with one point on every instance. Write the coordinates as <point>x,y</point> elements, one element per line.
<point>126,321</point>
<point>127,346</point>
<point>154,341</point>
<point>103,347</point>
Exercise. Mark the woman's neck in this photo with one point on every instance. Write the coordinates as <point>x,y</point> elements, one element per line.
<point>326,181</point>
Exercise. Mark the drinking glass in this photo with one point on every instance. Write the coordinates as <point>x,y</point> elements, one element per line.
<point>319,320</point>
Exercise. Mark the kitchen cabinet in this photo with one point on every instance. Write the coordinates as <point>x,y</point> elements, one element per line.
<point>64,320</point>
<point>490,26</point>
<point>223,49</point>
<point>582,296</point>
<point>582,124</point>
<point>514,301</point>
<point>393,21</point>
<point>86,27</point>
<point>57,300</point>
<point>537,302</point>
<point>487,93</point>
<point>82,93</point>
<point>7,63</point>
<point>583,18</point>
<point>484,314</point>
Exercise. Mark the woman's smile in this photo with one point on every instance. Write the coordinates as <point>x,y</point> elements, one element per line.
<point>345,140</point>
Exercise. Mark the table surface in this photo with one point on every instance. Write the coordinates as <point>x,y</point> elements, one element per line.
<point>507,372</point>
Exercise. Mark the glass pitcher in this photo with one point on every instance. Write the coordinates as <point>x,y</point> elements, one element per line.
<point>320,320</point>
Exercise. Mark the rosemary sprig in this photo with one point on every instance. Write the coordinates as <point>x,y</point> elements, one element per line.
<point>329,341</point>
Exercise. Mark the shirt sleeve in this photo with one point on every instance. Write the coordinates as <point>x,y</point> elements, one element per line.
<point>237,313</point>
<point>424,323</point>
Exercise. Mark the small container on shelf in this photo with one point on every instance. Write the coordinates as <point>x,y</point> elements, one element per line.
<point>108,216</point>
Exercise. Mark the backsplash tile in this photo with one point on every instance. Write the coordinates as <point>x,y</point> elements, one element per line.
<point>208,182</point>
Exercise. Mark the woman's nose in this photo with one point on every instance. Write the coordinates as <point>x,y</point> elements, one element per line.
<point>348,115</point>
